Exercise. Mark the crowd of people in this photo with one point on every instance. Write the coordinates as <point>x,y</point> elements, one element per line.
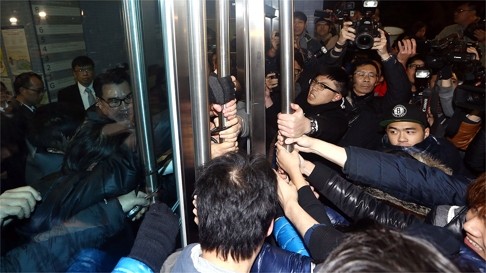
<point>386,171</point>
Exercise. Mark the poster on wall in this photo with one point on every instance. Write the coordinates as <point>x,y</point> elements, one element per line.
<point>17,51</point>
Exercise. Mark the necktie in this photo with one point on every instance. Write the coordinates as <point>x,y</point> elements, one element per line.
<point>91,97</point>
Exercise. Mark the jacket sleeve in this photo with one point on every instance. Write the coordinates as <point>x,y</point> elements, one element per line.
<point>313,206</point>
<point>321,240</point>
<point>53,250</point>
<point>70,194</point>
<point>405,178</point>
<point>446,95</point>
<point>398,85</point>
<point>275,259</point>
<point>129,265</point>
<point>287,237</point>
<point>353,201</point>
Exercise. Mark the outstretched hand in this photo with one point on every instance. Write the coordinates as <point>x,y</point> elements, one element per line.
<point>18,203</point>
<point>347,33</point>
<point>302,144</point>
<point>380,45</point>
<point>407,49</point>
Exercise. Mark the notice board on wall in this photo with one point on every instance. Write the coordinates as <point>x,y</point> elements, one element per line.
<point>59,31</point>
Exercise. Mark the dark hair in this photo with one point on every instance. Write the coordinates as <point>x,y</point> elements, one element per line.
<point>385,250</point>
<point>418,25</point>
<point>112,76</point>
<point>82,61</point>
<point>23,80</point>
<point>336,74</point>
<point>476,195</point>
<point>477,6</point>
<point>414,58</point>
<point>236,204</point>
<point>300,15</point>
<point>53,125</point>
<point>364,61</point>
<point>89,145</point>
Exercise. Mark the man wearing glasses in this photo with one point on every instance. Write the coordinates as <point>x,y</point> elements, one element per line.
<point>319,111</point>
<point>80,94</point>
<point>364,111</point>
<point>465,16</point>
<point>114,103</point>
<point>29,90</point>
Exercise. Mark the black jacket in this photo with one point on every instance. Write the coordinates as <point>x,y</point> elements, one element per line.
<point>365,112</point>
<point>65,195</point>
<point>71,95</point>
<point>405,178</point>
<point>55,249</point>
<point>354,201</point>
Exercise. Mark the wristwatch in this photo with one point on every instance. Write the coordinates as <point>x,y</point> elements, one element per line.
<point>314,126</point>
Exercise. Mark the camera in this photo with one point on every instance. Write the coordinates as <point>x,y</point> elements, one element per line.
<point>367,27</point>
<point>452,51</point>
<point>448,50</point>
<point>366,31</point>
<point>422,79</point>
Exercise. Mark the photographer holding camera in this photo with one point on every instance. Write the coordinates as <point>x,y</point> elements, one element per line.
<point>363,109</point>
<point>468,25</point>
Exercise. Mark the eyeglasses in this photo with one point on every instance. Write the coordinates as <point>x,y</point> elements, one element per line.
<point>84,69</point>
<point>319,86</point>
<point>114,102</point>
<point>38,91</point>
<point>462,10</point>
<point>415,65</point>
<point>362,74</point>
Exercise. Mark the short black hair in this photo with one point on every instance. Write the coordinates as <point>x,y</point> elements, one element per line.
<point>236,204</point>
<point>385,250</point>
<point>89,145</point>
<point>112,76</point>
<point>336,74</point>
<point>53,125</point>
<point>477,6</point>
<point>300,15</point>
<point>82,61</point>
<point>23,80</point>
<point>414,58</point>
<point>364,61</point>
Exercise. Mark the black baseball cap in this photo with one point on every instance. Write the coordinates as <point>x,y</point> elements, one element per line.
<point>405,112</point>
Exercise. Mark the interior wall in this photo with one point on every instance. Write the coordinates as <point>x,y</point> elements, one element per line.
<point>104,33</point>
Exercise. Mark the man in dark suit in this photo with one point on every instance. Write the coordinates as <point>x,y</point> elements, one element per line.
<point>29,90</point>
<point>81,94</point>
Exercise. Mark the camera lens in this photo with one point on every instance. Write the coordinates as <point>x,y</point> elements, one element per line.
<point>364,41</point>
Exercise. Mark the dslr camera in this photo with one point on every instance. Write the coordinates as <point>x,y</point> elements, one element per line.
<point>366,27</point>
